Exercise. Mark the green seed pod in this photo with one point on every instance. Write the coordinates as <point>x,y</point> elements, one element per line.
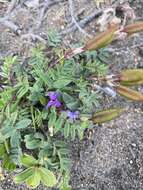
<point>131,77</point>
<point>102,39</point>
<point>107,115</point>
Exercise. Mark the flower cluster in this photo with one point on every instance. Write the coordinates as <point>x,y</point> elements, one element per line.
<point>53,100</point>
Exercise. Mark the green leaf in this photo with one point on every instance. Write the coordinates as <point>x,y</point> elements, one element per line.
<point>52,118</point>
<point>34,180</point>
<point>65,182</point>
<point>2,150</point>
<point>67,129</point>
<point>7,131</point>
<point>43,100</point>
<point>73,131</point>
<point>54,38</point>
<point>60,144</point>
<point>32,142</point>
<point>64,151</point>
<point>61,83</point>
<point>1,104</point>
<point>8,163</point>
<point>58,124</point>
<point>23,87</point>
<point>70,102</point>
<point>64,163</point>
<point>65,187</point>
<point>15,139</point>
<point>25,175</point>
<point>80,133</point>
<point>28,160</point>
<point>67,98</point>
<point>23,123</point>
<point>47,177</point>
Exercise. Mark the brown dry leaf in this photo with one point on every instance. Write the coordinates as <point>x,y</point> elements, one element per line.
<point>107,115</point>
<point>129,93</point>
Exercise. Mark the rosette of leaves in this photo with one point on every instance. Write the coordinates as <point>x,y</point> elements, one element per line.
<point>35,173</point>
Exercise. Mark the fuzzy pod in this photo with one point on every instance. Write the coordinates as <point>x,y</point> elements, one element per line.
<point>129,93</point>
<point>102,39</point>
<point>131,77</point>
<point>133,83</point>
<point>107,115</point>
<point>133,28</point>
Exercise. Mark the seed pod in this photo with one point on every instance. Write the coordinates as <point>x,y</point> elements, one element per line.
<point>102,39</point>
<point>129,93</point>
<point>133,28</point>
<point>131,77</point>
<point>107,115</point>
<point>135,83</point>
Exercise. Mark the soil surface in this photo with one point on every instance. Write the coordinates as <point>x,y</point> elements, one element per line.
<point>111,156</point>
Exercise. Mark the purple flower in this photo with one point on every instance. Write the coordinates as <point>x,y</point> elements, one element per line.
<point>53,100</point>
<point>73,115</point>
<point>53,95</point>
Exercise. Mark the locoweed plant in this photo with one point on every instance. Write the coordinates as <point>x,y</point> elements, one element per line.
<point>51,98</point>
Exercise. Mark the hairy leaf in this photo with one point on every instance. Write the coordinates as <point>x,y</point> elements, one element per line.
<point>61,83</point>
<point>34,180</point>
<point>2,150</point>
<point>31,142</point>
<point>15,139</point>
<point>8,164</point>
<point>47,177</point>
<point>25,175</point>
<point>23,123</point>
<point>28,160</point>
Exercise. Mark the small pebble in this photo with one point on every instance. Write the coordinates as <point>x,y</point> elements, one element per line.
<point>134,145</point>
<point>62,27</point>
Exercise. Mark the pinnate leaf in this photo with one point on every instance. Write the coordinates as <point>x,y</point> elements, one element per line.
<point>23,124</point>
